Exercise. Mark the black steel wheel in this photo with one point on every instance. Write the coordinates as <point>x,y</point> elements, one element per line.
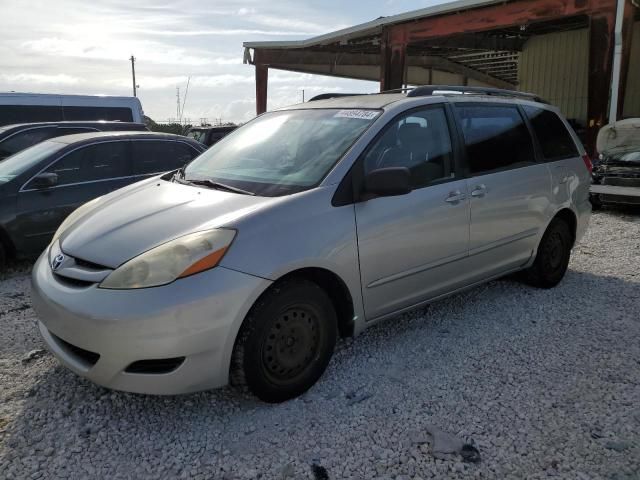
<point>552,258</point>
<point>286,341</point>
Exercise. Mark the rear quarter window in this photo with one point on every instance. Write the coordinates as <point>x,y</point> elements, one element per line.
<point>555,140</point>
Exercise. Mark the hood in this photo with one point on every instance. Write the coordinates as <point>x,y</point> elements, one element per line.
<point>133,220</point>
<point>619,136</point>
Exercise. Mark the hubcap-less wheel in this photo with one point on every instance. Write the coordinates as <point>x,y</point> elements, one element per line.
<point>286,341</point>
<point>553,256</point>
<point>291,344</point>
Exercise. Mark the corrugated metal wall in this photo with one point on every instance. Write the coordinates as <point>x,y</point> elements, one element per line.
<point>555,66</point>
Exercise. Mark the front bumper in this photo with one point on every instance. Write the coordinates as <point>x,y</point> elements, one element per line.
<point>616,194</point>
<point>197,318</point>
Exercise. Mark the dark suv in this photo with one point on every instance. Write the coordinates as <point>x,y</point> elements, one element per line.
<point>41,185</point>
<point>14,138</point>
<point>210,135</point>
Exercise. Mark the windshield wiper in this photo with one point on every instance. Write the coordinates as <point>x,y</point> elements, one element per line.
<point>205,182</point>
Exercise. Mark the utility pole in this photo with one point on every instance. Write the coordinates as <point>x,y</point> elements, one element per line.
<point>303,95</point>
<point>133,73</point>
<point>178,104</point>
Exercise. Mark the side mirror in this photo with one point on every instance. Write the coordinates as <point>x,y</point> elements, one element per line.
<point>388,182</point>
<point>45,180</point>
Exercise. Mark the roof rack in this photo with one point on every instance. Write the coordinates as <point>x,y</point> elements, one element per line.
<point>326,96</point>
<point>427,90</point>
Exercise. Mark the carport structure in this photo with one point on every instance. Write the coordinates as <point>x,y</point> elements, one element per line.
<point>562,50</point>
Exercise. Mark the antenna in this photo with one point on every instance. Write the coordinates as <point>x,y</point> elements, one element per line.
<point>185,98</point>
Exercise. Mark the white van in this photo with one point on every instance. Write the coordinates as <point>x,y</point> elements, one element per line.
<point>44,107</point>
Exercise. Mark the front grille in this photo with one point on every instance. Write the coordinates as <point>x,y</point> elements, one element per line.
<point>621,181</point>
<point>90,265</point>
<point>84,355</point>
<point>72,282</point>
<point>156,366</point>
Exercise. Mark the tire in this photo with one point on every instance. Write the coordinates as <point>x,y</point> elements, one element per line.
<point>596,203</point>
<point>286,341</point>
<point>552,259</point>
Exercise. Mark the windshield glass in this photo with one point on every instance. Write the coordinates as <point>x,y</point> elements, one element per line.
<point>198,135</point>
<point>282,152</point>
<point>22,161</point>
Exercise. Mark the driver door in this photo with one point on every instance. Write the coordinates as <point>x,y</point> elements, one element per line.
<point>413,247</point>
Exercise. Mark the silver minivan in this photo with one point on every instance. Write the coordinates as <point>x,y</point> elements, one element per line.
<point>304,225</point>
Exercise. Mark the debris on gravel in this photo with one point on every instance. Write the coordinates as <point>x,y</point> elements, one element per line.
<point>540,382</point>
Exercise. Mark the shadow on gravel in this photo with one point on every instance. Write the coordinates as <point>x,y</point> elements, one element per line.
<point>69,414</point>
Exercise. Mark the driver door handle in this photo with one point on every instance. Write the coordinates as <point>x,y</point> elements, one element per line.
<point>479,191</point>
<point>455,197</point>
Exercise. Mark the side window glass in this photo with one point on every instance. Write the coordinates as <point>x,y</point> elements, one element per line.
<point>94,162</point>
<point>73,130</point>
<point>151,156</point>
<point>26,139</point>
<point>29,113</point>
<point>555,141</point>
<point>98,113</point>
<point>419,141</point>
<point>496,137</point>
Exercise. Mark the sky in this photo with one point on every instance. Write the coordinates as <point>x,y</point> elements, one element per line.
<point>83,47</point>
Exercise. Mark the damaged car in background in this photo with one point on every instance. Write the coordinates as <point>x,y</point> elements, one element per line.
<point>616,173</point>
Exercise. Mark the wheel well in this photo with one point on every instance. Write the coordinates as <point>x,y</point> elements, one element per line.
<point>569,217</point>
<point>337,291</point>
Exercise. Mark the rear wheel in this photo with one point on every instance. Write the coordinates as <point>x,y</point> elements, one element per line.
<point>285,342</point>
<point>552,259</point>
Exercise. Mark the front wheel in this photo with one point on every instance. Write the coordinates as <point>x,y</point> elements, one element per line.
<point>3,257</point>
<point>286,341</point>
<point>552,259</point>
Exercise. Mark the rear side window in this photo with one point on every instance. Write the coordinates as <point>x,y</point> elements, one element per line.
<point>25,139</point>
<point>153,156</point>
<point>98,113</point>
<point>101,161</point>
<point>29,114</point>
<point>495,136</point>
<point>554,138</point>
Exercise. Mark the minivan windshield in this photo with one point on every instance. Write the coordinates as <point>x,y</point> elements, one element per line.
<point>22,161</point>
<point>283,152</point>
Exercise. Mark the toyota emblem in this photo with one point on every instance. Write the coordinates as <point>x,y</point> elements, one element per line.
<point>57,261</point>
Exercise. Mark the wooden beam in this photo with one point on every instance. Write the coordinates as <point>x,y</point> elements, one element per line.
<point>601,43</point>
<point>476,41</point>
<point>502,15</point>
<point>262,78</point>
<point>393,51</point>
<point>294,60</point>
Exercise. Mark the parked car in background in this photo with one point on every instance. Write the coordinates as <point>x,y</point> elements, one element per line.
<point>616,173</point>
<point>210,135</point>
<point>45,107</point>
<point>14,138</point>
<point>41,185</point>
<point>306,223</point>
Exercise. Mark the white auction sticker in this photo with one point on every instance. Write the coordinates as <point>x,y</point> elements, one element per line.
<point>361,114</point>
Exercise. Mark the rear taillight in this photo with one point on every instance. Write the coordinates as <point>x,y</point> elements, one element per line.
<point>587,162</point>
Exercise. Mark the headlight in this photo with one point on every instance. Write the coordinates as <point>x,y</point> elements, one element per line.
<point>175,259</point>
<point>73,216</point>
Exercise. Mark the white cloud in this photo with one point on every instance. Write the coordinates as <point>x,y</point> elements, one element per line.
<point>22,79</point>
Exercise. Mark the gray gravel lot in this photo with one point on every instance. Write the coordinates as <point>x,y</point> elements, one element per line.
<point>543,382</point>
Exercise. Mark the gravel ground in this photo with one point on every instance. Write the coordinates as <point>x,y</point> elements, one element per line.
<point>543,383</point>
